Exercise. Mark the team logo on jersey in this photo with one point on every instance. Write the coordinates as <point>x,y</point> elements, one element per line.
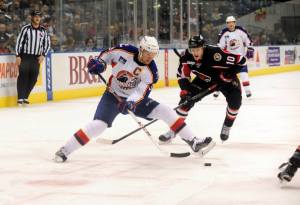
<point>233,44</point>
<point>127,80</point>
<point>202,76</point>
<point>122,60</point>
<point>217,56</point>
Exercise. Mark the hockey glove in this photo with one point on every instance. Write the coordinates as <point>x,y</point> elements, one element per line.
<point>250,52</point>
<point>96,66</point>
<point>124,106</point>
<point>186,98</point>
<point>226,77</point>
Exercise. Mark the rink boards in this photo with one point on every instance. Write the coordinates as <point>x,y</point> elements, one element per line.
<point>64,75</point>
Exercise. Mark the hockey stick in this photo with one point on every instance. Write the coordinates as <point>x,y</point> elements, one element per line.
<point>170,154</point>
<point>194,98</point>
<point>176,52</point>
<point>202,152</point>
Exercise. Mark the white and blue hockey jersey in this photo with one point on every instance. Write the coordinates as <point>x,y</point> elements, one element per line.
<point>130,78</point>
<point>235,41</point>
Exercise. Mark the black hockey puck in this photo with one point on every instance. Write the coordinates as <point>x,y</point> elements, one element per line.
<point>207,164</point>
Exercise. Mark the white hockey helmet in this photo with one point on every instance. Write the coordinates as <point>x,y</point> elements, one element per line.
<point>230,19</point>
<point>149,43</point>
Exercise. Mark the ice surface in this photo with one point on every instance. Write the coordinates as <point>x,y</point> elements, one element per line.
<point>133,172</point>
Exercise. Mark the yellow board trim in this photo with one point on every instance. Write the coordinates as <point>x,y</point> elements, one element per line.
<point>274,70</point>
<point>11,101</point>
<point>39,79</point>
<point>78,93</point>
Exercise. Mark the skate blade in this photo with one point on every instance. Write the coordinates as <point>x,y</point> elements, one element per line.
<point>104,141</point>
<point>283,165</point>
<point>283,182</point>
<point>164,143</point>
<point>207,149</point>
<point>58,159</point>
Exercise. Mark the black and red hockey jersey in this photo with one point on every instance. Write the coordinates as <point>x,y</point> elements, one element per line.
<point>215,64</point>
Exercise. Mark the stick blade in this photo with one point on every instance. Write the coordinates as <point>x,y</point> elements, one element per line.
<point>104,141</point>
<point>180,155</point>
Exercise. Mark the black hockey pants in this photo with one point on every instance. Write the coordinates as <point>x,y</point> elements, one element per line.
<point>28,74</point>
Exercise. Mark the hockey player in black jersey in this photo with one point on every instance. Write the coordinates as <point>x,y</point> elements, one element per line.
<point>289,168</point>
<point>211,65</point>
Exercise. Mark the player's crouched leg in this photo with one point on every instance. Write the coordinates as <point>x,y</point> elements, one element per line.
<point>178,126</point>
<point>182,112</point>
<point>79,139</point>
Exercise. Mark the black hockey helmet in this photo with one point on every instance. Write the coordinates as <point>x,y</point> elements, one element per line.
<point>196,41</point>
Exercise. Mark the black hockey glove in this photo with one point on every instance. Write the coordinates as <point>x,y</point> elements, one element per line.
<point>226,78</point>
<point>186,98</point>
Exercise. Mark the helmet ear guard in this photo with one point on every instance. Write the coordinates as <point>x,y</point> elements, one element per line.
<point>150,44</point>
<point>196,41</point>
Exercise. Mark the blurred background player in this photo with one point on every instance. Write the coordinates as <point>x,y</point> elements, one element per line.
<point>289,168</point>
<point>236,40</point>
<point>211,66</point>
<point>133,75</point>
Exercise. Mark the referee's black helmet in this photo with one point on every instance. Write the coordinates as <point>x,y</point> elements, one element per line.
<point>35,13</point>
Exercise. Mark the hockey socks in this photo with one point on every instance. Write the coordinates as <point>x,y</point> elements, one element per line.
<point>82,137</point>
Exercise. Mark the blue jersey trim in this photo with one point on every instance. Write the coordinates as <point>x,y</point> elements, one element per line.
<point>154,71</point>
<point>128,48</point>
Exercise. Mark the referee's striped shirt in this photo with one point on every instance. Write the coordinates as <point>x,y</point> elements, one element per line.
<point>33,41</point>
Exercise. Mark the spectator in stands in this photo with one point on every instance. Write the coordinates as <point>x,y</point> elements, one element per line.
<point>90,30</point>
<point>69,45</point>
<point>14,8</point>
<point>48,24</point>
<point>216,16</point>
<point>3,30</point>
<point>90,45</point>
<point>111,38</point>
<point>55,46</point>
<point>79,16</point>
<point>3,47</point>
<point>2,6</point>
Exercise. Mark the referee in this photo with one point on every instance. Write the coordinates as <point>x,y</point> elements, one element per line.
<point>33,43</point>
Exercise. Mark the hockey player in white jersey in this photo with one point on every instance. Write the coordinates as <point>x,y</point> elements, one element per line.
<point>133,74</point>
<point>236,40</point>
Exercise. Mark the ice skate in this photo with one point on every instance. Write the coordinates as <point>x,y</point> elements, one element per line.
<point>199,144</point>
<point>248,93</point>
<point>216,94</point>
<point>225,133</point>
<point>60,155</point>
<point>167,137</point>
<point>287,173</point>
